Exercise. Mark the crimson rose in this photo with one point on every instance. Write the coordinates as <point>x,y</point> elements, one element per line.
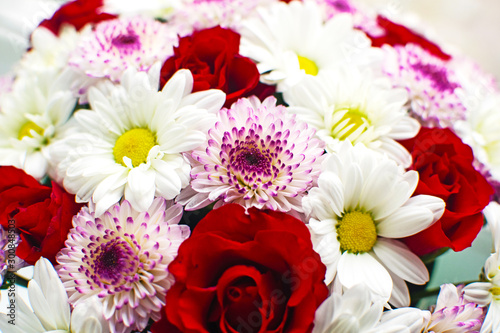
<point>212,57</point>
<point>77,13</point>
<point>245,272</point>
<point>396,34</point>
<point>42,215</point>
<point>444,164</point>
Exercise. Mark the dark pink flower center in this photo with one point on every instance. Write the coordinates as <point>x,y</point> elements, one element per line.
<point>437,75</point>
<point>111,264</point>
<point>127,42</point>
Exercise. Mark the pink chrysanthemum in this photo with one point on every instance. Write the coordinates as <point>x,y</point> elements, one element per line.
<point>122,257</point>
<point>256,155</point>
<point>431,83</point>
<point>114,45</point>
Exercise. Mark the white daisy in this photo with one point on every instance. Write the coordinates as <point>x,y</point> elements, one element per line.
<point>122,258</point>
<point>131,143</point>
<point>255,155</point>
<point>354,311</point>
<point>488,293</point>
<point>50,310</point>
<point>290,41</point>
<point>349,104</point>
<point>33,114</point>
<point>361,206</point>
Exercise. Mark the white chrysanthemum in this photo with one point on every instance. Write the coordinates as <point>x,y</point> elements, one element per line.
<point>33,114</point>
<point>349,104</point>
<point>354,311</point>
<point>361,206</point>
<point>290,41</point>
<point>50,310</point>
<point>131,143</point>
<point>453,314</point>
<point>112,46</point>
<point>488,293</point>
<point>153,8</point>
<point>255,155</point>
<point>122,257</point>
<point>431,83</point>
<point>201,14</point>
<point>49,51</point>
<point>480,131</point>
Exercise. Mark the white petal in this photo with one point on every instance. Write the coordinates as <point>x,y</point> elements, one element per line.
<point>395,151</point>
<point>52,287</point>
<point>40,306</point>
<point>404,222</point>
<point>400,296</point>
<point>168,183</point>
<point>87,316</point>
<point>434,204</point>
<point>406,128</point>
<point>492,215</point>
<point>211,100</point>
<point>364,269</point>
<point>492,320</point>
<point>179,85</point>
<point>25,320</point>
<point>478,292</point>
<point>140,188</point>
<point>399,259</point>
<point>345,323</point>
<point>412,319</point>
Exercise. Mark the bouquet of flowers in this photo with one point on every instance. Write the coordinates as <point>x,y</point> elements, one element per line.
<point>244,166</point>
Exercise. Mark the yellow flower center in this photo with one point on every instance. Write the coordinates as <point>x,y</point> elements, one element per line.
<point>356,232</point>
<point>495,291</point>
<point>26,130</point>
<point>308,65</point>
<point>354,117</point>
<point>135,144</point>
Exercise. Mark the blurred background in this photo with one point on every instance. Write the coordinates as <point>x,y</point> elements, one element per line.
<point>469,27</point>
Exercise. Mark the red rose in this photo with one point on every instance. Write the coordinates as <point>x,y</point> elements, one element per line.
<point>396,34</point>
<point>212,57</point>
<point>77,13</point>
<point>238,272</point>
<point>42,215</point>
<point>444,164</point>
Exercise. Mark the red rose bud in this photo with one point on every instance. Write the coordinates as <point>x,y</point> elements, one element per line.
<point>212,57</point>
<point>445,167</point>
<point>42,215</point>
<point>245,272</point>
<point>76,13</point>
